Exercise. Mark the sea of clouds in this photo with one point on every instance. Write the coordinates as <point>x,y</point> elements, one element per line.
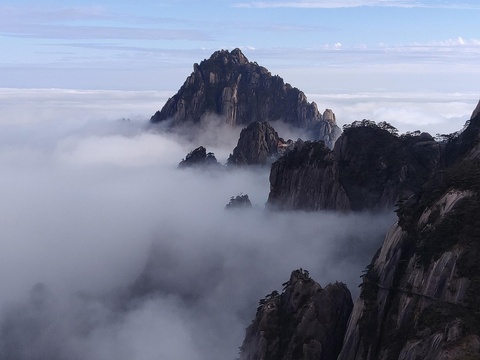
<point>92,198</point>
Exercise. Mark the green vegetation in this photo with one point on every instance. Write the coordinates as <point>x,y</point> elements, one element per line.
<point>369,320</point>
<point>365,123</point>
<point>460,228</point>
<point>308,152</point>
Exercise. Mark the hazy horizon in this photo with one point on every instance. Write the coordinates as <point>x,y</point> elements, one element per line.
<point>318,46</point>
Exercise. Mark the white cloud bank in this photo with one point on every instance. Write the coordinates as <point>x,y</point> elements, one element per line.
<point>431,112</point>
<point>86,206</point>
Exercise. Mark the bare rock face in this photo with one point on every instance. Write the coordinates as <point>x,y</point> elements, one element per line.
<point>307,178</point>
<point>421,293</point>
<point>370,168</point>
<point>258,144</point>
<point>377,167</point>
<point>199,158</point>
<point>230,86</point>
<point>465,143</point>
<point>476,111</point>
<point>305,322</point>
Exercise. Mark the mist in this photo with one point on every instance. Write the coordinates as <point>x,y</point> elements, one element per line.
<point>91,207</point>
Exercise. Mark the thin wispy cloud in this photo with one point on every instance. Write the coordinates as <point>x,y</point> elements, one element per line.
<point>458,42</point>
<point>327,4</point>
<point>40,15</point>
<point>94,22</point>
<point>99,32</point>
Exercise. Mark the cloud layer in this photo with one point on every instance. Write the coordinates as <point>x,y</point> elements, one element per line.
<point>86,209</point>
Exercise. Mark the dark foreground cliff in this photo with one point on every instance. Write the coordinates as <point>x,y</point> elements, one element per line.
<point>306,321</point>
<point>420,297</point>
<point>307,178</point>
<point>370,168</point>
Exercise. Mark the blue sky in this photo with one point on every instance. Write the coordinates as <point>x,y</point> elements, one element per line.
<point>345,45</point>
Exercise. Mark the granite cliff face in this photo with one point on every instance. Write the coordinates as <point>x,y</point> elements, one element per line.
<point>370,168</point>
<point>305,322</point>
<point>421,293</point>
<point>307,178</point>
<point>240,92</point>
<point>259,144</point>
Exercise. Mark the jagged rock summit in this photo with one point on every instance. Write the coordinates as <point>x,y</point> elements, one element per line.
<point>241,92</point>
<point>258,143</point>
<point>239,202</point>
<point>306,321</point>
<point>421,293</point>
<point>199,158</point>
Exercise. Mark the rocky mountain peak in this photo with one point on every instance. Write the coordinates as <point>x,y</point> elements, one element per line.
<point>240,201</point>
<point>229,86</point>
<point>235,56</point>
<point>258,143</point>
<point>329,116</point>
<point>199,158</point>
<point>476,111</point>
<point>305,321</point>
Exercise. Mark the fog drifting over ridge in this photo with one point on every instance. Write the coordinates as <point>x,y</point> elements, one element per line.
<point>435,112</point>
<point>87,202</point>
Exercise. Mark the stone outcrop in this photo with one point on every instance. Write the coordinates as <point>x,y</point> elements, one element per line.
<point>476,111</point>
<point>421,294</point>
<point>199,158</point>
<point>239,202</point>
<point>259,144</point>
<point>305,322</point>
<point>307,178</point>
<point>228,85</point>
<point>370,168</point>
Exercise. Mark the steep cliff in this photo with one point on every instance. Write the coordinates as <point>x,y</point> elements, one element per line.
<point>305,322</point>
<point>377,167</point>
<point>259,144</point>
<point>307,178</point>
<point>370,168</point>
<point>421,293</point>
<point>240,92</point>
